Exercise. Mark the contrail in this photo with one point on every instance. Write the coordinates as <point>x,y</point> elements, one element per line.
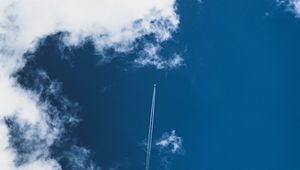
<point>150,131</point>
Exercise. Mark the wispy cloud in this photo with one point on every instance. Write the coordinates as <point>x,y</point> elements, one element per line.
<point>30,123</point>
<point>79,158</point>
<point>169,145</point>
<point>200,1</point>
<point>292,5</point>
<point>170,142</point>
<point>150,56</point>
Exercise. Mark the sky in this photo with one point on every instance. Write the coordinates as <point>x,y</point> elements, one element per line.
<point>76,83</point>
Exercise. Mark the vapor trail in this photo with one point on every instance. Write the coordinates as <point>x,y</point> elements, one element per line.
<point>150,131</point>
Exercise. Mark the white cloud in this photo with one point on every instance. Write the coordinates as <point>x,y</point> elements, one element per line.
<point>170,141</point>
<point>169,145</point>
<point>79,158</point>
<point>108,23</point>
<point>150,56</point>
<point>295,5</point>
<point>292,5</point>
<point>113,24</point>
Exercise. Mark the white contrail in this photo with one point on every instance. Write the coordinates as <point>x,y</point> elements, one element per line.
<point>150,131</point>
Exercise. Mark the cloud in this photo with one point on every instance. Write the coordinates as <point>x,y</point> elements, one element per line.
<point>150,56</point>
<point>292,5</point>
<point>169,145</point>
<point>200,1</point>
<point>79,159</point>
<point>169,141</point>
<point>30,123</point>
<point>107,23</point>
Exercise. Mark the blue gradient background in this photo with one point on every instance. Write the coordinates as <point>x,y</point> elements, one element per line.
<point>235,102</point>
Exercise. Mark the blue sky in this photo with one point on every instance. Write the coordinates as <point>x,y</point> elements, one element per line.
<point>227,87</point>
